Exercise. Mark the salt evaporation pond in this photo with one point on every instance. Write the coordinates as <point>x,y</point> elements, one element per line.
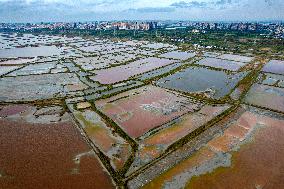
<point>30,52</point>
<point>215,84</point>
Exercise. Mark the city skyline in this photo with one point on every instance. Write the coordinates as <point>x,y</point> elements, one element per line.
<point>107,10</point>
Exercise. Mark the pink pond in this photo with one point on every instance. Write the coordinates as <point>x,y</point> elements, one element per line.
<point>266,96</point>
<point>46,155</point>
<point>121,73</point>
<point>140,110</point>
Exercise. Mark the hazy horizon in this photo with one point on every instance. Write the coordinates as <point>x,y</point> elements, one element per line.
<point>149,20</point>
<point>23,11</point>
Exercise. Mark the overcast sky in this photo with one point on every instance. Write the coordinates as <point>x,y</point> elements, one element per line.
<point>92,10</point>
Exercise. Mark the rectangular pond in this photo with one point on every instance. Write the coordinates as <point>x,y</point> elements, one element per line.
<point>237,58</point>
<point>140,110</point>
<point>30,52</point>
<point>211,83</point>
<point>220,63</point>
<point>178,55</point>
<point>124,72</point>
<point>274,66</point>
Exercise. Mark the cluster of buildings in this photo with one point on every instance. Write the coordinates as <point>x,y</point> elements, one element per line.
<point>134,25</point>
<point>253,26</point>
<point>121,25</point>
<point>274,28</point>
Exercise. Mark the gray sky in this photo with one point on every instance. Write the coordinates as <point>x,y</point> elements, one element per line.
<point>87,10</point>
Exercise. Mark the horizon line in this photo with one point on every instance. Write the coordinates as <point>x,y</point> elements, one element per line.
<point>150,20</point>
